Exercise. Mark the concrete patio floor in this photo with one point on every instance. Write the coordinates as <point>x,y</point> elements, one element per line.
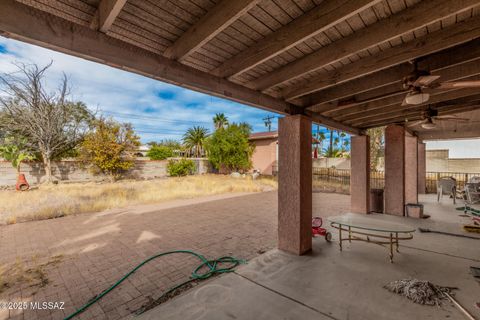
<point>329,284</point>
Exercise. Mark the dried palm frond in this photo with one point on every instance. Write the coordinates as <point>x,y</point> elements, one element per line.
<point>419,291</point>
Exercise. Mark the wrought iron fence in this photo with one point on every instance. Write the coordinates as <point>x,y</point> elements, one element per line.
<point>461,178</point>
<point>377,178</point>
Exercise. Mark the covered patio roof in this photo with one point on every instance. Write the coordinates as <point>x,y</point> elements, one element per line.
<point>341,63</point>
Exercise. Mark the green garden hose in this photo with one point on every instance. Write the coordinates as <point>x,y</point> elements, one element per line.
<point>213,267</point>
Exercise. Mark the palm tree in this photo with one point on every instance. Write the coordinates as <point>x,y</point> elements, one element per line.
<point>220,120</point>
<point>194,140</point>
<point>330,145</point>
<point>246,128</point>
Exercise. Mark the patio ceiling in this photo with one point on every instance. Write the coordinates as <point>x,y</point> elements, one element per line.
<point>340,62</point>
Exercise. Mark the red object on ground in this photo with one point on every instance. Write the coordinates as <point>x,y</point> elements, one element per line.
<point>315,153</point>
<point>317,229</point>
<point>22,184</point>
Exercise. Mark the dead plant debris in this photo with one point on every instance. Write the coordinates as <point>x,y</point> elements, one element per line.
<point>420,291</point>
<point>27,271</point>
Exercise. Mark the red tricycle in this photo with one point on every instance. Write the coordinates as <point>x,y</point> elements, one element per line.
<point>317,229</point>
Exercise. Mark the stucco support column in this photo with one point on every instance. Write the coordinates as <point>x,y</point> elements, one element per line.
<point>401,169</point>
<point>295,184</point>
<point>360,174</point>
<point>394,170</point>
<point>411,169</point>
<point>422,168</point>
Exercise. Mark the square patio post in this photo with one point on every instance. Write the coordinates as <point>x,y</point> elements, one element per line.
<point>360,174</point>
<point>411,169</point>
<point>394,194</point>
<point>295,184</point>
<point>422,168</point>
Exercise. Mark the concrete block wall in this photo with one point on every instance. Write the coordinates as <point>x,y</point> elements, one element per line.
<point>440,161</point>
<point>73,171</point>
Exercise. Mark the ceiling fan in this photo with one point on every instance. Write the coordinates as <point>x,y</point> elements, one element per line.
<point>430,118</point>
<point>418,80</point>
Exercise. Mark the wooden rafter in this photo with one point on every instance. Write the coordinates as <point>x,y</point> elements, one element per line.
<point>412,18</point>
<point>455,72</point>
<point>409,117</point>
<point>393,110</point>
<point>107,12</point>
<point>433,42</point>
<point>315,21</point>
<point>390,79</point>
<point>211,24</point>
<point>330,123</point>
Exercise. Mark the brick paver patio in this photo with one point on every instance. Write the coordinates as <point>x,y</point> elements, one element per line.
<point>97,249</point>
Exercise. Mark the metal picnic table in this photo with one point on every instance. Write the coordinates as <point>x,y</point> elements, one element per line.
<point>359,228</point>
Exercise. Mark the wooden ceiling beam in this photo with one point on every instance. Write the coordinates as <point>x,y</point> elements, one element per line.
<point>417,115</point>
<point>315,21</point>
<point>433,42</point>
<point>462,132</point>
<point>398,109</point>
<point>330,123</point>
<point>107,12</point>
<point>466,70</point>
<point>391,78</point>
<point>24,23</point>
<point>212,23</point>
<point>325,99</point>
<point>412,18</point>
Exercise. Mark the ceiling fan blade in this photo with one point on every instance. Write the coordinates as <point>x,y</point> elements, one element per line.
<point>447,118</point>
<point>415,123</point>
<point>424,81</point>
<point>404,102</point>
<point>459,84</point>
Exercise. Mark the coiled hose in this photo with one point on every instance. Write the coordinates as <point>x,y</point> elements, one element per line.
<point>212,266</point>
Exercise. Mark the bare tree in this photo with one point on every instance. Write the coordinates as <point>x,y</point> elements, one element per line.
<point>49,122</point>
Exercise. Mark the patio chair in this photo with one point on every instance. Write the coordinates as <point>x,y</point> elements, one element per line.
<point>472,198</point>
<point>474,179</point>
<point>448,186</point>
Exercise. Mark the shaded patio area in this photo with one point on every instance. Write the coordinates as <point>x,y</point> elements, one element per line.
<point>329,284</point>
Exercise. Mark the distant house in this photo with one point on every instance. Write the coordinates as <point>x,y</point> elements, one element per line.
<point>265,156</point>
<point>266,151</point>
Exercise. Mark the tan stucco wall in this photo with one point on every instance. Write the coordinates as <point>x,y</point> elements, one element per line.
<point>265,155</point>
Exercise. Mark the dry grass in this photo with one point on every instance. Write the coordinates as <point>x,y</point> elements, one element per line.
<point>55,201</point>
<point>29,271</point>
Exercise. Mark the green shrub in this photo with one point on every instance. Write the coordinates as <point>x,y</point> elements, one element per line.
<point>159,153</point>
<point>180,168</point>
<point>229,149</point>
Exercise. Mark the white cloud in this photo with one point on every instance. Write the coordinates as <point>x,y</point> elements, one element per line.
<point>160,110</point>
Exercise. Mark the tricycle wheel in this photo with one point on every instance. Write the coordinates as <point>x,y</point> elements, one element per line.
<point>328,237</point>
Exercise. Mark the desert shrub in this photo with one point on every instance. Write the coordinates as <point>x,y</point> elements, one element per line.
<point>159,153</point>
<point>180,168</point>
<point>110,147</point>
<point>229,149</point>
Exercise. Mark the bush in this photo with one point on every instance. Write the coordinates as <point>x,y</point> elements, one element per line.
<point>110,147</point>
<point>229,149</point>
<point>159,153</point>
<point>180,168</point>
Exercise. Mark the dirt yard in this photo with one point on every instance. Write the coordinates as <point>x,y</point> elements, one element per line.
<point>74,258</point>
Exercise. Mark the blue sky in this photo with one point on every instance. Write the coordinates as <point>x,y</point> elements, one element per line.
<point>156,109</point>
